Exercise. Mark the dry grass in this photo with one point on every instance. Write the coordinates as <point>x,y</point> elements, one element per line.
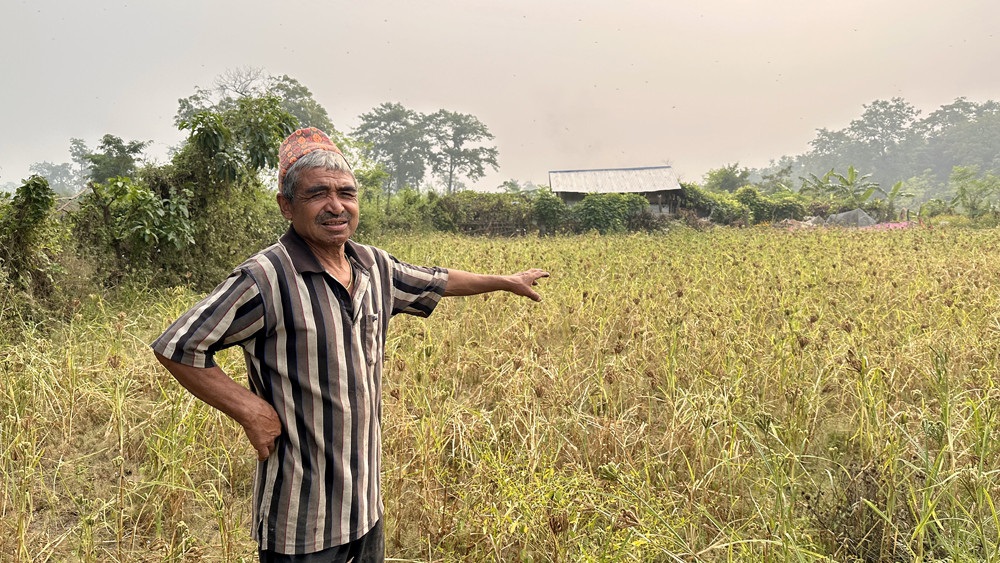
<point>721,396</point>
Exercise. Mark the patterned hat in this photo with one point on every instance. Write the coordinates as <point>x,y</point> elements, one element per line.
<point>299,144</point>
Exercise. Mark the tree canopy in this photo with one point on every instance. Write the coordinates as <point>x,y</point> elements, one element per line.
<point>892,141</point>
<point>406,142</point>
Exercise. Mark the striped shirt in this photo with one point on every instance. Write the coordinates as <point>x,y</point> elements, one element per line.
<point>314,352</point>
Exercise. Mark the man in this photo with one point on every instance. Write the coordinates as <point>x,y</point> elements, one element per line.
<point>311,313</point>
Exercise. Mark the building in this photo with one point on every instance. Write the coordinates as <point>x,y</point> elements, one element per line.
<point>658,184</point>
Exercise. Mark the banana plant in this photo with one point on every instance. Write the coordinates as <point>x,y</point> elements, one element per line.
<point>853,187</point>
<point>895,192</point>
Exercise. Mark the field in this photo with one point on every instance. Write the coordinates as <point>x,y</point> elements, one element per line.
<point>730,395</point>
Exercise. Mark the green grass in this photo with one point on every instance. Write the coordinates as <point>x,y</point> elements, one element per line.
<point>723,396</point>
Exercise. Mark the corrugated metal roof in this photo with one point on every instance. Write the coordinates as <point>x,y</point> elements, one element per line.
<point>614,180</point>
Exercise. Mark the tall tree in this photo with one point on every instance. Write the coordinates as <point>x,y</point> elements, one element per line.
<point>253,82</point>
<point>61,178</point>
<point>453,151</point>
<point>397,137</point>
<point>884,124</point>
<point>237,142</point>
<point>114,157</point>
<point>298,100</point>
<point>729,178</point>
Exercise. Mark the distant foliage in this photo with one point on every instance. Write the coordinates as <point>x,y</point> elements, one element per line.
<point>769,209</point>
<point>28,238</point>
<point>607,213</point>
<point>483,213</point>
<point>722,208</point>
<point>114,157</point>
<point>409,211</point>
<point>122,225</point>
<point>749,205</point>
<point>729,178</point>
<point>550,212</point>
<point>406,142</point>
<point>892,141</point>
<point>973,191</point>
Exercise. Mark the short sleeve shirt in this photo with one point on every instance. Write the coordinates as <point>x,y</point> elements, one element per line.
<point>314,352</point>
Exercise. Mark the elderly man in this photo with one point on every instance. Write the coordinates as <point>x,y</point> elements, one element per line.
<point>311,314</point>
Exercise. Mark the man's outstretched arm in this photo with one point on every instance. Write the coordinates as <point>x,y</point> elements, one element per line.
<point>468,283</point>
<point>257,417</point>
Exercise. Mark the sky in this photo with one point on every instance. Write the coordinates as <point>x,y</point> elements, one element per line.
<point>562,84</point>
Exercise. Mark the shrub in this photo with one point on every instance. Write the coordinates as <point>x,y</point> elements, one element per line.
<point>761,209</point>
<point>696,199</point>
<point>478,213</point>
<point>549,211</point>
<point>28,237</point>
<point>126,226</point>
<point>773,208</point>
<point>408,210</point>
<point>607,213</point>
<point>722,208</point>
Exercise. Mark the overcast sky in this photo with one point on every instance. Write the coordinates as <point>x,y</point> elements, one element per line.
<point>562,84</point>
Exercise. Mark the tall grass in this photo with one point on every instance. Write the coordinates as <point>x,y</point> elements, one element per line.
<point>724,396</point>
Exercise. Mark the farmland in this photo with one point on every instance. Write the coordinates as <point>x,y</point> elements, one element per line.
<point>727,395</point>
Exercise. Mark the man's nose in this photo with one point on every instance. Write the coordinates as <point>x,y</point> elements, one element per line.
<point>334,204</point>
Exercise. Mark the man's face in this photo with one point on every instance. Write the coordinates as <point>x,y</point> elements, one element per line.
<point>324,210</point>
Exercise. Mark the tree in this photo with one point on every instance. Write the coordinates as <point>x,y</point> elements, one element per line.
<point>451,135</point>
<point>61,177</point>
<point>895,193</point>
<point>298,100</point>
<point>511,186</point>
<point>253,82</point>
<point>884,125</point>
<point>947,116</point>
<point>972,191</point>
<point>212,193</point>
<point>851,189</point>
<point>729,178</point>
<point>114,157</point>
<point>26,241</point>
<point>778,180</point>
<point>126,217</point>
<point>397,139</point>
<point>242,140</point>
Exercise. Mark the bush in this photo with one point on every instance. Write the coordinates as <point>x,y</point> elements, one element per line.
<point>478,213</point>
<point>607,213</point>
<point>408,210</point>
<point>696,199</point>
<point>721,208</point>
<point>123,225</point>
<point>227,232</point>
<point>761,209</point>
<point>29,238</point>
<point>788,206</point>
<point>729,211</point>
<point>549,211</point>
<point>773,208</point>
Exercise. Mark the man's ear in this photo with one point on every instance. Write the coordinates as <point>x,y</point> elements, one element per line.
<point>285,206</point>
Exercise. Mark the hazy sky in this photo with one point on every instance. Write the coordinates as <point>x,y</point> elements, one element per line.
<point>562,84</point>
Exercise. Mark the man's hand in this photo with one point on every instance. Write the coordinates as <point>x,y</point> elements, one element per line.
<point>467,283</point>
<point>257,417</point>
<point>523,282</point>
<point>262,429</point>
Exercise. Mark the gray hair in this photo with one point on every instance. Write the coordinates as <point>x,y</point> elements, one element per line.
<point>327,160</point>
